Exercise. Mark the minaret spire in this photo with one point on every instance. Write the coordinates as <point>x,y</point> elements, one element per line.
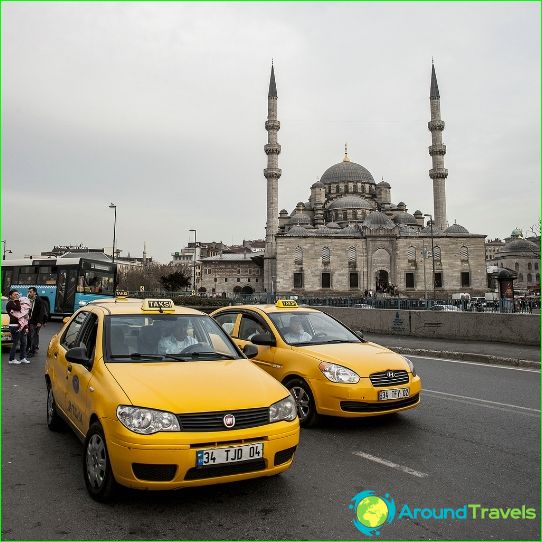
<point>272,173</point>
<point>437,151</point>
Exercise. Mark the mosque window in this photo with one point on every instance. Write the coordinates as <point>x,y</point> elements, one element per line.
<point>536,266</point>
<point>326,280</point>
<point>438,280</point>
<point>464,253</point>
<point>354,280</point>
<point>529,266</point>
<point>520,277</point>
<point>436,252</point>
<point>516,266</point>
<point>529,277</point>
<point>465,279</point>
<point>345,215</point>
<point>298,256</point>
<point>355,188</point>
<point>352,256</point>
<point>326,255</point>
<point>538,278</point>
<point>409,280</point>
<point>411,254</point>
<point>298,280</point>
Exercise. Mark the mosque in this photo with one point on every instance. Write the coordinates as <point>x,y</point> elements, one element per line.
<point>350,237</point>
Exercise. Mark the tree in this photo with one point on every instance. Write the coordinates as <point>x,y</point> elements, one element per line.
<point>149,277</point>
<point>175,281</point>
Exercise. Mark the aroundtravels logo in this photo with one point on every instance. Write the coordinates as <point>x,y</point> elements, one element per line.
<point>372,512</point>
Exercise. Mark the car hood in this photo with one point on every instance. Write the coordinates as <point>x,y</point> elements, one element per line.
<point>363,358</point>
<point>202,386</point>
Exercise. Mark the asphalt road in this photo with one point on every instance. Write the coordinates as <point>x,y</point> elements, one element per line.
<point>475,439</point>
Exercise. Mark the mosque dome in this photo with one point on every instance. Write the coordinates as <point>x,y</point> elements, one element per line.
<point>298,231</point>
<point>384,184</point>
<point>456,229</point>
<point>378,220</point>
<point>405,218</point>
<point>333,226</point>
<point>299,218</point>
<point>520,245</point>
<point>346,171</point>
<point>350,202</point>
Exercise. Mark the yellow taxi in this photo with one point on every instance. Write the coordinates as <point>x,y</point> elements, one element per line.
<point>7,339</point>
<point>163,399</point>
<point>328,368</point>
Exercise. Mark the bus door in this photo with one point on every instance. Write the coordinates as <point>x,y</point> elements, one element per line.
<point>66,285</point>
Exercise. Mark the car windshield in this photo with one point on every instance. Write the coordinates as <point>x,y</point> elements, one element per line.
<point>159,337</point>
<point>305,328</point>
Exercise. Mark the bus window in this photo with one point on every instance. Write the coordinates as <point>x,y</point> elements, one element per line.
<point>96,282</point>
<point>27,275</point>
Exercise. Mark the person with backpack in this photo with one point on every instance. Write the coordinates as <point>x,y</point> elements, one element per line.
<point>38,318</point>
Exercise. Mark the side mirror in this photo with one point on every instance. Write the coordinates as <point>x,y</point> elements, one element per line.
<point>78,355</point>
<point>66,319</point>
<point>250,351</point>
<point>265,339</point>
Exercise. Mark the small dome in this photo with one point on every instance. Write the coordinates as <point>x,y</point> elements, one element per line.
<point>436,231</point>
<point>333,226</point>
<point>299,218</point>
<point>401,206</point>
<point>300,205</point>
<point>521,245</point>
<point>346,171</point>
<point>456,229</point>
<point>324,231</point>
<point>378,220</point>
<point>517,232</point>
<point>298,231</point>
<point>318,184</point>
<point>350,230</point>
<point>350,202</point>
<point>418,213</point>
<point>405,218</point>
<point>384,184</point>
<point>283,212</point>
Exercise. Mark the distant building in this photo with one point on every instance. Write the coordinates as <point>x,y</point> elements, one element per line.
<point>492,247</point>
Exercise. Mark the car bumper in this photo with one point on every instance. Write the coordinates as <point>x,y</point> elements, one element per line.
<point>359,400</point>
<point>163,464</point>
<point>6,338</point>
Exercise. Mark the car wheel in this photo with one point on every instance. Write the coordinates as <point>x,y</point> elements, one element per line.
<point>306,407</point>
<point>97,472</point>
<point>54,421</point>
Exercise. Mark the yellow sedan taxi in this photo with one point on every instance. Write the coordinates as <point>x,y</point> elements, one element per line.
<point>7,340</point>
<point>328,368</point>
<point>163,399</point>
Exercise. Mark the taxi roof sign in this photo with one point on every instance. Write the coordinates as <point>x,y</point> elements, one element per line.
<point>161,305</point>
<point>286,304</point>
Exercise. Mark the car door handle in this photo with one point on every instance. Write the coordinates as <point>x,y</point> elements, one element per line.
<point>69,368</point>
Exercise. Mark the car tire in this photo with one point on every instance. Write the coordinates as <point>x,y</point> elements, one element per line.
<point>54,421</point>
<point>306,406</point>
<point>97,472</point>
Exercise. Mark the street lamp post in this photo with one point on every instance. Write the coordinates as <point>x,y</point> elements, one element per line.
<point>432,253</point>
<point>195,253</point>
<point>114,207</point>
<point>5,250</point>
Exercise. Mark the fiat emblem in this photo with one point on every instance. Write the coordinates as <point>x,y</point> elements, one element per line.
<point>390,374</point>
<point>229,420</point>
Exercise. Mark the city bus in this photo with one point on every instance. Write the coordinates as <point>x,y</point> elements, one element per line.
<point>64,284</point>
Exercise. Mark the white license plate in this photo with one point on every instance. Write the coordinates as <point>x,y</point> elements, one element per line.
<point>233,454</point>
<point>399,393</point>
<point>6,336</point>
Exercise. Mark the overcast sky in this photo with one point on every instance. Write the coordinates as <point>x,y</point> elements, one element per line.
<point>160,108</point>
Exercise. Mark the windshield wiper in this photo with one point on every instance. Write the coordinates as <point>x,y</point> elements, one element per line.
<point>196,355</point>
<point>137,356</point>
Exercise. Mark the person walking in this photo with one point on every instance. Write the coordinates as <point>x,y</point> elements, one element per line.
<point>18,331</point>
<point>37,320</point>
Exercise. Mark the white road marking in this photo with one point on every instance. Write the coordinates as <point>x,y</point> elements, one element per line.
<point>481,402</point>
<point>395,466</point>
<point>475,363</point>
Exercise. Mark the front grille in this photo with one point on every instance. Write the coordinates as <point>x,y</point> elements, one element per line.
<point>154,473</point>
<point>382,406</point>
<point>199,473</point>
<point>379,380</point>
<point>214,421</point>
<point>284,456</point>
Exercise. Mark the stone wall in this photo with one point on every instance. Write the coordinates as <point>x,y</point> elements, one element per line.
<point>475,326</point>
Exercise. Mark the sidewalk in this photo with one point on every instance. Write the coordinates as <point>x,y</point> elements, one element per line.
<point>480,351</point>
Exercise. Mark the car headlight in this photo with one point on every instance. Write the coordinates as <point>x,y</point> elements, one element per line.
<point>411,365</point>
<point>146,420</point>
<point>285,409</point>
<point>338,373</point>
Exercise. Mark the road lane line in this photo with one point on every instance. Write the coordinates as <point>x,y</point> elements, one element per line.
<point>483,401</point>
<point>475,363</point>
<point>395,466</point>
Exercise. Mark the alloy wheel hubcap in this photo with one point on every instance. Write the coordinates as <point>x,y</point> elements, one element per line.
<point>50,405</point>
<point>302,401</point>
<point>96,461</point>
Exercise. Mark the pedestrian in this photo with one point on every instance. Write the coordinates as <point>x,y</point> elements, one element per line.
<point>36,321</point>
<point>18,327</point>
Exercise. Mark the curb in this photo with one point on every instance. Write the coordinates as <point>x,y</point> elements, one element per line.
<point>467,356</point>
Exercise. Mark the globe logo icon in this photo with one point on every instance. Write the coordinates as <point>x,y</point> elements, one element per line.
<point>372,512</point>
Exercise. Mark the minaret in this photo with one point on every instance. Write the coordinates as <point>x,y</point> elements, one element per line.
<point>272,173</point>
<point>437,151</point>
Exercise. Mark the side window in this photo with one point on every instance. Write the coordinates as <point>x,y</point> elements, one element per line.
<point>88,334</point>
<point>70,336</point>
<point>250,327</point>
<point>227,321</point>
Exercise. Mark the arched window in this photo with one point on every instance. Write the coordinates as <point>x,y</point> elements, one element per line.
<point>355,188</point>
<point>298,256</point>
<point>352,255</point>
<point>411,254</point>
<point>520,277</point>
<point>529,277</point>
<point>326,255</point>
<point>516,266</point>
<point>538,278</point>
<point>436,252</point>
<point>529,266</point>
<point>464,253</point>
<point>345,215</point>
